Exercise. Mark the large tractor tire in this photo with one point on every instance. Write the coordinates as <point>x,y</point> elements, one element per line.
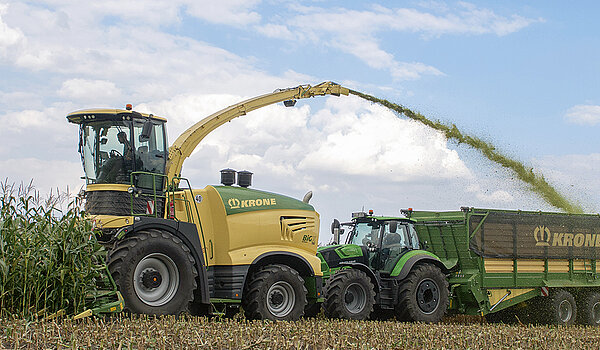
<point>588,309</point>
<point>423,295</point>
<point>275,292</point>
<point>349,295</point>
<point>559,308</point>
<point>155,273</point>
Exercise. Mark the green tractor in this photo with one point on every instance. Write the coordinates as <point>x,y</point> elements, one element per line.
<point>382,272</point>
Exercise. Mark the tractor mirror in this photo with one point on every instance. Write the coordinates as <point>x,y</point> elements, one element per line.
<point>146,131</point>
<point>393,226</point>
<point>335,230</point>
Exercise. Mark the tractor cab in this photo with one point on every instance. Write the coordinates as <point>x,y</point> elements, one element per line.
<point>120,149</point>
<point>375,241</point>
<point>386,238</point>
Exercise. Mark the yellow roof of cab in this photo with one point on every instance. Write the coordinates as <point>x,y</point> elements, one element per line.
<point>79,116</point>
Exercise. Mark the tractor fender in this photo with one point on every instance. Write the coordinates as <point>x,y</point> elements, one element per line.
<point>421,259</point>
<point>365,269</point>
<point>188,233</point>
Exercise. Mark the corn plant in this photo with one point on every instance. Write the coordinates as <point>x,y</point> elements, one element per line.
<point>50,260</point>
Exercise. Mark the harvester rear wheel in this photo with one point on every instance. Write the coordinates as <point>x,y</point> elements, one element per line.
<point>423,295</point>
<point>154,272</point>
<point>588,308</point>
<point>275,292</point>
<point>350,295</point>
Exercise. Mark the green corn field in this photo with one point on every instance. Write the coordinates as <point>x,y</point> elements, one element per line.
<point>50,262</point>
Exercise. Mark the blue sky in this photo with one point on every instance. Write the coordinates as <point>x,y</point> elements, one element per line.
<point>521,74</point>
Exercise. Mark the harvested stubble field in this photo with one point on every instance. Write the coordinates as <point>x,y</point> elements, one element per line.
<point>203,333</point>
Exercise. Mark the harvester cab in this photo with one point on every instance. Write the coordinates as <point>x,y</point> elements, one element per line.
<point>382,271</point>
<point>175,249</point>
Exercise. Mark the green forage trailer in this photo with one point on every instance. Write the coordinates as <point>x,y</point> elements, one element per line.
<point>537,266</point>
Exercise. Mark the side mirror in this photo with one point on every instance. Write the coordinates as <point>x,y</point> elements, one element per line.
<point>393,226</point>
<point>146,131</point>
<point>335,230</point>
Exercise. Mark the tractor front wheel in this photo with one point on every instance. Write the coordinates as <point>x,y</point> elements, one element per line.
<point>423,295</point>
<point>349,294</point>
<point>275,292</point>
<point>154,272</point>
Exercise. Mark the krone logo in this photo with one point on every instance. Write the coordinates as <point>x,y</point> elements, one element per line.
<point>542,236</point>
<point>234,203</point>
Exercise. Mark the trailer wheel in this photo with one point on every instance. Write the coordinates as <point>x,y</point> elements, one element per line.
<point>349,294</point>
<point>560,308</point>
<point>275,292</point>
<point>155,273</point>
<point>423,295</point>
<point>589,309</point>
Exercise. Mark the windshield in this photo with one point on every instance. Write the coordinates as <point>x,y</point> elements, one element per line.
<point>112,150</point>
<point>364,233</point>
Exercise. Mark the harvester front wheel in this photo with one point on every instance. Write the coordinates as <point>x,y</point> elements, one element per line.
<point>589,309</point>
<point>423,295</point>
<point>275,292</point>
<point>154,272</point>
<point>350,295</point>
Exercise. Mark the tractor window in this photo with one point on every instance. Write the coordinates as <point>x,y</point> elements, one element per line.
<point>398,239</point>
<point>365,233</point>
<point>395,244</point>
<point>150,155</point>
<point>414,239</point>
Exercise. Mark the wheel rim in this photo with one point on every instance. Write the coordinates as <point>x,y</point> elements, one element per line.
<point>281,299</point>
<point>596,313</point>
<point>156,279</point>
<point>355,298</point>
<point>565,311</point>
<point>428,296</point>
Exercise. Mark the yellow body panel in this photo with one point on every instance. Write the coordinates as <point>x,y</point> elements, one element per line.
<point>498,265</point>
<point>582,265</point>
<point>496,294</point>
<point>558,265</point>
<point>241,238</point>
<point>107,187</point>
<point>531,265</point>
<point>111,221</point>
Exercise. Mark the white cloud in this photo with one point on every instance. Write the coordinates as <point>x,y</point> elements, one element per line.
<point>9,37</point>
<point>575,175</point>
<point>356,32</point>
<point>490,197</point>
<point>89,91</point>
<point>58,175</point>
<point>583,115</point>
<point>230,12</point>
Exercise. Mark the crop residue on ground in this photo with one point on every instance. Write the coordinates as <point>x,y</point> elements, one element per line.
<point>202,333</point>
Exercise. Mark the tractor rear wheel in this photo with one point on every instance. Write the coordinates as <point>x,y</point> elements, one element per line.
<point>154,271</point>
<point>423,295</point>
<point>275,292</point>
<point>588,308</point>
<point>350,295</point>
